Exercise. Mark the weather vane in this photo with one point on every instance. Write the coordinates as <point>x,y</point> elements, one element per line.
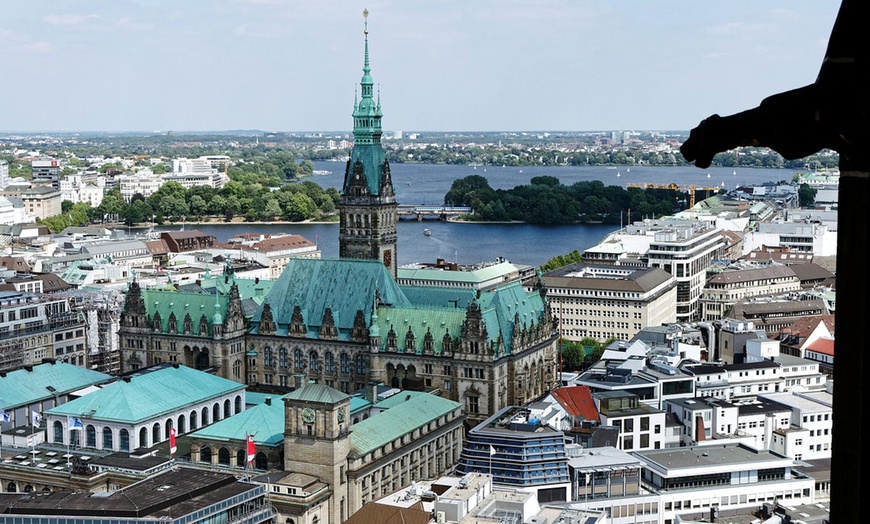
<point>366,16</point>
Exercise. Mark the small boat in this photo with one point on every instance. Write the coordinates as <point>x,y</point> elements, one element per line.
<point>708,175</point>
<point>321,172</point>
<point>427,232</point>
<point>618,175</point>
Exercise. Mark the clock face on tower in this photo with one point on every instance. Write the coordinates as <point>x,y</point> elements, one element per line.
<point>308,415</point>
<point>388,258</point>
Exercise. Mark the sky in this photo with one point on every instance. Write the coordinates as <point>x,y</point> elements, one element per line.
<point>452,65</point>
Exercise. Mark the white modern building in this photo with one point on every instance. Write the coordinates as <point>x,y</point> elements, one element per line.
<point>698,479</point>
<point>683,248</point>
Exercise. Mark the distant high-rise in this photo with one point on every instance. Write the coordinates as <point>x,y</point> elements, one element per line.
<point>368,210</point>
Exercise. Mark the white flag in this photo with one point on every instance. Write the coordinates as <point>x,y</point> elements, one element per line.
<point>35,418</point>
<point>5,417</point>
<point>73,423</point>
<point>491,450</point>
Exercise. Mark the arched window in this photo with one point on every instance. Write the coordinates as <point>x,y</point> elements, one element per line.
<point>123,440</point>
<point>224,456</point>
<point>143,438</point>
<point>192,420</point>
<point>155,433</point>
<point>205,416</point>
<point>11,487</point>
<point>28,488</point>
<point>227,411</point>
<point>345,364</point>
<point>108,441</point>
<point>298,360</point>
<point>283,358</point>
<point>216,412</point>
<point>238,404</point>
<point>314,362</point>
<point>90,436</point>
<point>261,461</point>
<point>329,362</point>
<point>237,369</point>
<point>58,432</point>
<point>182,424</point>
<point>268,357</point>
<point>205,454</point>
<point>166,428</point>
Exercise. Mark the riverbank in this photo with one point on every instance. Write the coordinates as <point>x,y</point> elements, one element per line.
<point>237,221</point>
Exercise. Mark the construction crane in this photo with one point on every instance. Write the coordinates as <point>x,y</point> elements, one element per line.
<point>676,187</point>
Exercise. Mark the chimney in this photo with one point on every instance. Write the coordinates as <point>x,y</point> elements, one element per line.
<point>268,401</point>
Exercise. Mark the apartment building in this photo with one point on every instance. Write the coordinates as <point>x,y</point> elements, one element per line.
<point>36,326</point>
<point>640,426</point>
<point>728,287</point>
<point>610,301</point>
<point>683,248</point>
<point>810,432</point>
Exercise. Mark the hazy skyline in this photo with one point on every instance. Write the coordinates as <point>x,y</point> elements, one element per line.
<point>487,65</point>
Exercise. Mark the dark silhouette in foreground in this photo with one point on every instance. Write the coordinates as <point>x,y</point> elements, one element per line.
<point>830,113</point>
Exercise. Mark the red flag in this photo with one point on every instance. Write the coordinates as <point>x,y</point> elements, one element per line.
<point>172,447</point>
<point>252,450</point>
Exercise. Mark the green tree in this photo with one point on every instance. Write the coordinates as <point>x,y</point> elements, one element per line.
<point>806,195</point>
<point>300,208</point>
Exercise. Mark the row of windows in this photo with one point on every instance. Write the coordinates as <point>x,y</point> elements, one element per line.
<point>314,364</point>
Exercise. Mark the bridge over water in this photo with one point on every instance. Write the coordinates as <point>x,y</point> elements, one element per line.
<point>423,212</point>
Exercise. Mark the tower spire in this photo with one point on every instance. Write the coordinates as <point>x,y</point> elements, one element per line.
<point>368,189</point>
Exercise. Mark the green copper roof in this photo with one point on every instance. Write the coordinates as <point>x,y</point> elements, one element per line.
<point>255,289</point>
<point>264,421</point>
<point>150,393</point>
<point>399,398</point>
<point>501,306</point>
<point>359,403</point>
<point>28,385</point>
<point>439,296</point>
<point>344,285</point>
<point>184,303</point>
<point>498,306</point>
<point>367,131</point>
<point>401,419</point>
<point>319,393</point>
<point>434,320</point>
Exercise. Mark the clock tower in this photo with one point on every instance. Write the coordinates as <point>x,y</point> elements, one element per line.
<point>317,440</point>
<point>368,211</point>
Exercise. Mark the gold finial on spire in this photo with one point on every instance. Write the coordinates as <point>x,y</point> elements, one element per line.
<point>366,16</point>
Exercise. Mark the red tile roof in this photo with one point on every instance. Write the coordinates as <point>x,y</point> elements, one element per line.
<point>804,327</point>
<point>577,401</point>
<point>824,346</point>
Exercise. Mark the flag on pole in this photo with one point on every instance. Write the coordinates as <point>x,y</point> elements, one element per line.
<point>74,423</point>
<point>251,449</point>
<point>5,417</point>
<point>172,447</point>
<point>491,450</point>
<point>35,418</point>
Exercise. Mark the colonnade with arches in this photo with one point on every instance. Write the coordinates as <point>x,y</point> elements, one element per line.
<point>118,436</point>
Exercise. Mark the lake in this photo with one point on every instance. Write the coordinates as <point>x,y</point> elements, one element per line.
<point>472,243</point>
